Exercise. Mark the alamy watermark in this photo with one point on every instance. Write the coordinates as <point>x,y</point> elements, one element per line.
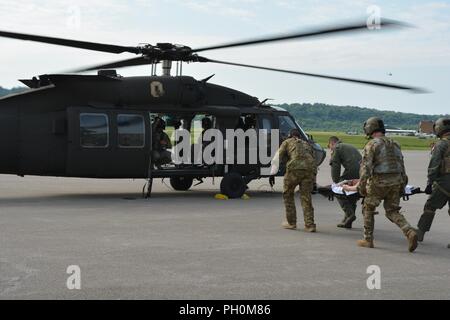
<point>374,280</point>
<point>73,20</point>
<point>74,280</point>
<point>374,17</point>
<point>234,147</point>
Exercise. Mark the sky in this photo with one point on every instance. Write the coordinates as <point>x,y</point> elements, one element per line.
<point>418,55</point>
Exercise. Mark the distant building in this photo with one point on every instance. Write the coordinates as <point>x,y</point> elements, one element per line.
<point>394,131</point>
<point>400,132</point>
<point>426,127</point>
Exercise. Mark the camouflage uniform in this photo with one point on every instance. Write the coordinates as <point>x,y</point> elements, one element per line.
<point>347,156</point>
<point>301,170</point>
<point>383,178</point>
<point>439,177</point>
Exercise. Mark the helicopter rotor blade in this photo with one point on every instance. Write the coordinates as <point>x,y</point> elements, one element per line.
<point>329,30</point>
<point>365,82</point>
<point>118,64</point>
<point>70,43</point>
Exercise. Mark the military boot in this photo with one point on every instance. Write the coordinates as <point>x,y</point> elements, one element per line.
<point>347,223</point>
<point>420,235</point>
<point>365,243</point>
<point>287,225</point>
<point>342,224</point>
<point>412,240</point>
<point>311,228</point>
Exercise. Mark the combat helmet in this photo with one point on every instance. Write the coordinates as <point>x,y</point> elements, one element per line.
<point>159,123</point>
<point>441,126</point>
<point>207,123</point>
<point>372,125</point>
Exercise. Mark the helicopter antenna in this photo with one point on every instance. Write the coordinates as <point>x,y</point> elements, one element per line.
<point>263,102</point>
<point>207,79</point>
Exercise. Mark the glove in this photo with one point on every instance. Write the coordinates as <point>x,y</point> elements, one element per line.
<point>429,189</point>
<point>272,181</point>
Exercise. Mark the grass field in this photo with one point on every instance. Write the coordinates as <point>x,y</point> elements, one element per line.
<point>407,143</point>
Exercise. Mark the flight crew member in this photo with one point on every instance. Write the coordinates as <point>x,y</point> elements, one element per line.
<point>161,142</point>
<point>206,125</point>
<point>438,186</point>
<point>250,122</point>
<point>197,153</point>
<point>301,170</point>
<point>347,156</point>
<point>383,178</point>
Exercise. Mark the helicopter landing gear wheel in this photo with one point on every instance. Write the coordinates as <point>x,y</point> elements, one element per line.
<point>233,185</point>
<point>181,183</point>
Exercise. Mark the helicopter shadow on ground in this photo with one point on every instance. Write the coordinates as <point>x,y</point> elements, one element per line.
<point>131,196</point>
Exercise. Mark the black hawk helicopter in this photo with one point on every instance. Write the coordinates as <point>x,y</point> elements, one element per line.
<point>100,126</point>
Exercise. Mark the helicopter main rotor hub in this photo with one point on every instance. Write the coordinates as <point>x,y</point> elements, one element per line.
<point>169,52</point>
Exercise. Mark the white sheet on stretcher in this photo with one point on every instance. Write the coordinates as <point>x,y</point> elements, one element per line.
<point>337,188</point>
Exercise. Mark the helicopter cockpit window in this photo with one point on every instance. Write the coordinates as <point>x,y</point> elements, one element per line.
<point>286,124</point>
<point>131,131</point>
<point>94,130</point>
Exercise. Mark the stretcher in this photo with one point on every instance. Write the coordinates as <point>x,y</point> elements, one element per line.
<point>336,190</point>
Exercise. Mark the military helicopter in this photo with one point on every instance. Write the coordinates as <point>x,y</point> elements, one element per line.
<point>100,126</point>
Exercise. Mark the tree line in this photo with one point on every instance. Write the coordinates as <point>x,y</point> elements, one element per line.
<point>325,117</point>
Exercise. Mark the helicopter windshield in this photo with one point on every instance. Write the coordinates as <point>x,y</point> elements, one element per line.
<point>301,129</point>
<point>286,124</point>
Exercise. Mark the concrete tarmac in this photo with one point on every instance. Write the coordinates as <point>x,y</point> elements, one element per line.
<point>187,245</point>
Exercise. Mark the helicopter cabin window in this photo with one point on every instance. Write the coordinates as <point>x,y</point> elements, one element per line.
<point>131,131</point>
<point>266,124</point>
<point>200,124</point>
<point>286,124</point>
<point>94,130</point>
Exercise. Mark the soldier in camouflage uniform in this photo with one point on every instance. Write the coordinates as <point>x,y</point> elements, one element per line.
<point>347,156</point>
<point>383,178</point>
<point>438,186</point>
<point>301,170</point>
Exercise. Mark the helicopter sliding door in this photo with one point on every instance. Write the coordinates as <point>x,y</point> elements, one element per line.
<point>108,143</point>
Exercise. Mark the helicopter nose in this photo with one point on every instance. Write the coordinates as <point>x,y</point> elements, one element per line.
<point>9,139</point>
